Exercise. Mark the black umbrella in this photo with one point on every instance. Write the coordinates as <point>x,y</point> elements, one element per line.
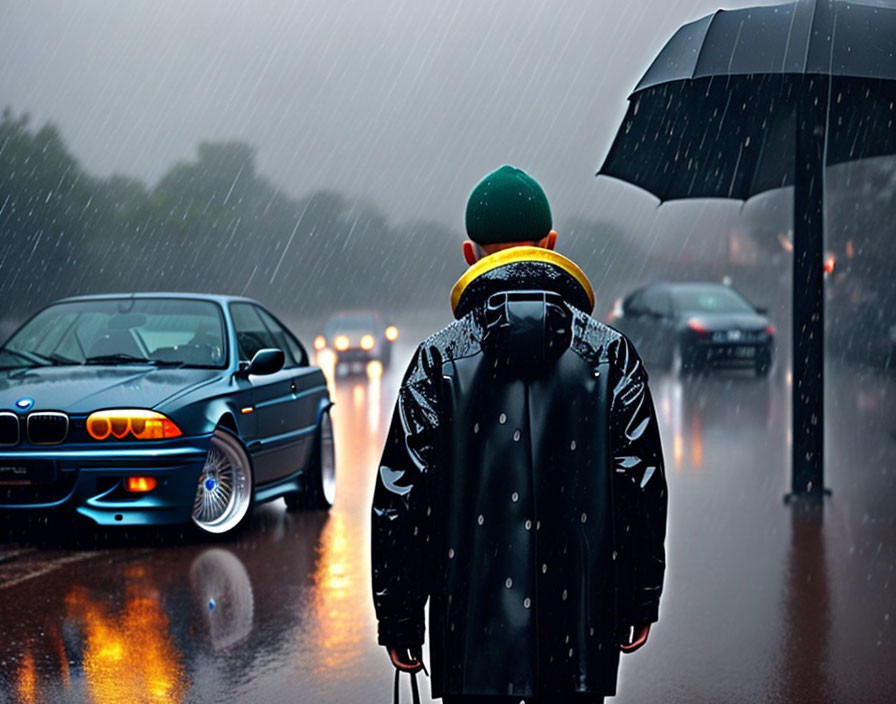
<point>748,100</point>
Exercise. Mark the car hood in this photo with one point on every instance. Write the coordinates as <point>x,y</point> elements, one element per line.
<point>728,321</point>
<point>80,390</point>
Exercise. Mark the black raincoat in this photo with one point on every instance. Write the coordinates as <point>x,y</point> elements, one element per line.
<point>521,489</point>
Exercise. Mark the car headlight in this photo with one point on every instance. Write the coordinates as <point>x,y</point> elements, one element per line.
<point>391,333</point>
<point>320,342</point>
<point>340,342</point>
<point>140,423</point>
<point>367,342</point>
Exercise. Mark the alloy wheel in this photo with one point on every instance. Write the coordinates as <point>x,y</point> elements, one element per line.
<point>224,491</point>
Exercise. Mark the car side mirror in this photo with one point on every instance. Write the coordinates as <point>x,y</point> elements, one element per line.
<point>762,310</point>
<point>266,361</point>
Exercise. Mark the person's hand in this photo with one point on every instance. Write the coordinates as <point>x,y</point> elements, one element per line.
<point>406,659</point>
<point>634,637</point>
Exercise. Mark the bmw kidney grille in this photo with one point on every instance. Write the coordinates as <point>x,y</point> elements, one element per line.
<point>47,428</point>
<point>9,428</point>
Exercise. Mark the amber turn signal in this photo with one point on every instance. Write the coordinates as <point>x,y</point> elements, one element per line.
<point>140,484</point>
<point>139,423</point>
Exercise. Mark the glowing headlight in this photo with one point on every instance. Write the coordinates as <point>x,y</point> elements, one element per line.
<point>391,333</point>
<point>340,342</point>
<point>320,342</point>
<point>367,342</point>
<point>137,422</point>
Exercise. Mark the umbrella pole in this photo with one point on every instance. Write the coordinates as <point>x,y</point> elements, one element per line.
<point>808,293</point>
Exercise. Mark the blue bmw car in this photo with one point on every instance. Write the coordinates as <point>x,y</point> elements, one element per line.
<point>152,408</point>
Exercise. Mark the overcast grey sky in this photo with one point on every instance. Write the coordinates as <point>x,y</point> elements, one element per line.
<point>409,102</point>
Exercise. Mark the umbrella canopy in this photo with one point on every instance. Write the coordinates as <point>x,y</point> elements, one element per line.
<point>748,100</point>
<point>716,113</point>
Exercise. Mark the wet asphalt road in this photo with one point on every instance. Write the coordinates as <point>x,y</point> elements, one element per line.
<point>763,602</point>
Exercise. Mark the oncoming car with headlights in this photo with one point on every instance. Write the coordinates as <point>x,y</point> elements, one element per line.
<point>357,338</point>
<point>151,409</point>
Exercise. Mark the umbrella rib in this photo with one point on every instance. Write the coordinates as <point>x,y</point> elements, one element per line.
<point>809,38</point>
<point>703,43</point>
<point>789,34</point>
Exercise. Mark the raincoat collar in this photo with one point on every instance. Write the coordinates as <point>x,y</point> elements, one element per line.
<point>521,268</point>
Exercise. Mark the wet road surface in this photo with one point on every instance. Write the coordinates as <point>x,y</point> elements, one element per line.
<point>763,602</point>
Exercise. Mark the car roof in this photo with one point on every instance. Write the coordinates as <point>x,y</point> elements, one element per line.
<point>672,286</point>
<point>213,297</point>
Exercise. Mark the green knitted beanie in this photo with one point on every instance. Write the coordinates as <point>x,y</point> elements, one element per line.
<point>508,205</point>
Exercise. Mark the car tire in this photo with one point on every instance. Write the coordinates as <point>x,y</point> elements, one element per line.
<point>319,490</point>
<point>683,361</point>
<point>676,361</point>
<point>763,365</point>
<point>224,491</point>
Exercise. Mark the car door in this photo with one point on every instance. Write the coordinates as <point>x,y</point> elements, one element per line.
<point>632,323</point>
<point>308,383</point>
<point>275,450</point>
<point>659,326</point>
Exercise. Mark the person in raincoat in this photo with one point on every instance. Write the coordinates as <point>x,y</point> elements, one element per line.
<point>521,489</point>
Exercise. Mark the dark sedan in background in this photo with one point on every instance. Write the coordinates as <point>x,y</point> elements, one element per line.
<point>692,327</point>
<point>161,408</point>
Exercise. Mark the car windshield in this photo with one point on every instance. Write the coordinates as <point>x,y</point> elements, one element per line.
<point>350,323</point>
<point>160,331</point>
<point>710,299</point>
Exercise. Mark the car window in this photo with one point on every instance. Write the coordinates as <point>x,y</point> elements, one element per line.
<point>657,301</point>
<point>634,303</point>
<point>711,299</point>
<point>251,333</point>
<point>295,353</point>
<point>349,323</point>
<point>181,331</point>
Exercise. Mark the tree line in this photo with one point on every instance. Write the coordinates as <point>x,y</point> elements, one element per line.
<point>213,223</point>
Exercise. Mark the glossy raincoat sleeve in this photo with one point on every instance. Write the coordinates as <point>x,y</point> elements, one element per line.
<point>639,488</point>
<point>401,508</point>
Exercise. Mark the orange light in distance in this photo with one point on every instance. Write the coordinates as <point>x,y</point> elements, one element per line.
<point>829,264</point>
<point>367,342</point>
<point>320,342</point>
<point>140,484</point>
<point>341,343</point>
<point>139,423</point>
<point>391,333</point>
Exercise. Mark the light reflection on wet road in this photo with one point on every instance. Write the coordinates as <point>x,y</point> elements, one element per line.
<point>763,603</point>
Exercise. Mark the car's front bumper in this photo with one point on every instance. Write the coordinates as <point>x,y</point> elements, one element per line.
<point>356,354</point>
<point>731,355</point>
<point>90,479</point>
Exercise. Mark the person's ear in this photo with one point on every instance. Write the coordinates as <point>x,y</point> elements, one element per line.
<point>551,240</point>
<point>470,252</point>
